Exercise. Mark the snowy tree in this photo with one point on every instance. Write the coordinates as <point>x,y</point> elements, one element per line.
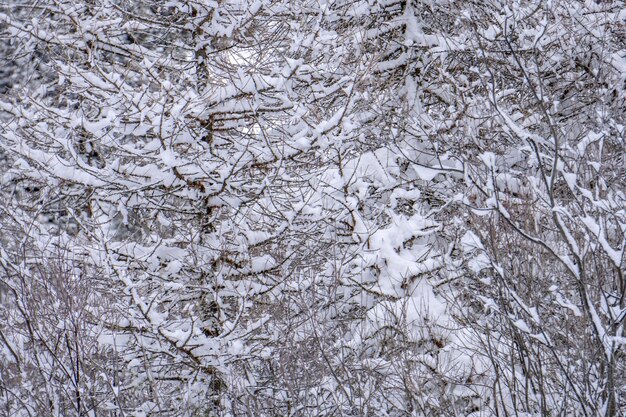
<point>147,152</point>
<point>312,208</point>
<point>546,193</point>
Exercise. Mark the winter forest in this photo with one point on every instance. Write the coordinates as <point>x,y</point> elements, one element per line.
<point>312,208</point>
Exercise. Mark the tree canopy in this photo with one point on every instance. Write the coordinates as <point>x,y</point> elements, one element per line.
<point>312,208</point>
